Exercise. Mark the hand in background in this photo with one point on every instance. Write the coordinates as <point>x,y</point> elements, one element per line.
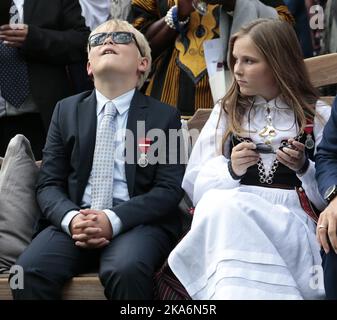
<point>13,35</point>
<point>327,227</point>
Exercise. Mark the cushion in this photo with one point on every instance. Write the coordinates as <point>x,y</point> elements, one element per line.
<point>19,210</point>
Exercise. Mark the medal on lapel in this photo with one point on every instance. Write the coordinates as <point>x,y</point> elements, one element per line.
<point>309,142</point>
<point>143,145</point>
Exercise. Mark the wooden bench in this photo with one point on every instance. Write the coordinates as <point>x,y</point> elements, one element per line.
<point>322,71</point>
<point>83,287</point>
<point>5,293</point>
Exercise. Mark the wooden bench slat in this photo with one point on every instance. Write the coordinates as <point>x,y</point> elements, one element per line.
<point>83,287</point>
<point>322,69</point>
<point>5,292</point>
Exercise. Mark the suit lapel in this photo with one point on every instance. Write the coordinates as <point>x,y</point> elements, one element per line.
<point>87,122</point>
<point>28,9</point>
<point>137,112</point>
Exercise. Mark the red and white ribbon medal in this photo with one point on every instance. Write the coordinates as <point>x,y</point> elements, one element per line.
<point>143,145</point>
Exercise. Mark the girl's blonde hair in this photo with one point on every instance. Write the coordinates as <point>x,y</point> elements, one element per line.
<point>277,42</point>
<point>121,25</point>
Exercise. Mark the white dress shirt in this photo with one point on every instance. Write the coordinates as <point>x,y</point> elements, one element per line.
<point>120,9</point>
<point>95,12</point>
<point>120,188</point>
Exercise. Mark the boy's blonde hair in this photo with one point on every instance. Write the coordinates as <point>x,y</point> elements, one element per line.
<point>121,25</point>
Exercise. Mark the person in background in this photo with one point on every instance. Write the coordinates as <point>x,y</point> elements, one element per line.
<point>120,9</point>
<point>326,174</point>
<point>313,7</point>
<point>330,38</point>
<point>36,46</point>
<point>95,12</point>
<point>330,27</point>
<point>299,11</point>
<point>177,32</point>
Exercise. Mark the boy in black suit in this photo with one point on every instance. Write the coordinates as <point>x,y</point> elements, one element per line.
<point>104,211</point>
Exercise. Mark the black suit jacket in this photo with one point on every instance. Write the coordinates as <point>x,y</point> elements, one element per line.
<point>326,156</point>
<point>57,36</point>
<point>155,190</point>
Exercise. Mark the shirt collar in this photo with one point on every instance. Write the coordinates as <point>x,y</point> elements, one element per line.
<point>276,102</point>
<point>122,102</point>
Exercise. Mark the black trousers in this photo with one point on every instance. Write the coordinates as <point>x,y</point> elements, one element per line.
<point>329,263</point>
<point>30,125</point>
<point>126,266</point>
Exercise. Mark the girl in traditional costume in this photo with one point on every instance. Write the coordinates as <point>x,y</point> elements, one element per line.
<point>251,177</point>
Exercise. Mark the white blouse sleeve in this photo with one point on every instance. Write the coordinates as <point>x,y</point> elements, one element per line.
<point>308,180</point>
<point>207,167</point>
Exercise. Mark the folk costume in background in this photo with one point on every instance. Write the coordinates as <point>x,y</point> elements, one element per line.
<point>180,77</point>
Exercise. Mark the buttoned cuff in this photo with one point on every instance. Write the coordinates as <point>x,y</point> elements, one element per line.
<point>65,223</point>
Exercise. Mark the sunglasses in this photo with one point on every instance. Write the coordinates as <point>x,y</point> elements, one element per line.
<point>118,37</point>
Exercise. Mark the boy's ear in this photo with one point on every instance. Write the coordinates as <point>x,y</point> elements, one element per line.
<point>89,70</point>
<point>143,65</point>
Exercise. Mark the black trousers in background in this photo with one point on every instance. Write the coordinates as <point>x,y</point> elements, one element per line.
<point>126,265</point>
<point>30,125</point>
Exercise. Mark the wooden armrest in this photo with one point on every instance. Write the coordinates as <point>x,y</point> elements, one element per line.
<point>322,69</point>
<point>199,119</point>
<point>328,99</point>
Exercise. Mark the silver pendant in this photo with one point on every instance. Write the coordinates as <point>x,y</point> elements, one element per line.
<point>309,142</point>
<point>143,161</point>
<point>268,131</point>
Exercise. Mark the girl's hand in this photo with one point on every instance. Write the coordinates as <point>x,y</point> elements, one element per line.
<point>243,156</point>
<point>293,156</point>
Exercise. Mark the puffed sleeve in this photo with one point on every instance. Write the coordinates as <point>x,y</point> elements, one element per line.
<point>207,166</point>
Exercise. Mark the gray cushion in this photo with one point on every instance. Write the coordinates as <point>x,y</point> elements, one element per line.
<point>19,210</point>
